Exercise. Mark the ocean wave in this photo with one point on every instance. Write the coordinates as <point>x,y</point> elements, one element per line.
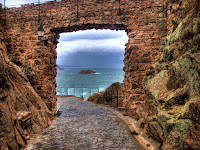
<point>90,73</point>
<point>97,73</point>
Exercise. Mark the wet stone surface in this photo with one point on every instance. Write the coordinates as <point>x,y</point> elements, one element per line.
<point>83,126</point>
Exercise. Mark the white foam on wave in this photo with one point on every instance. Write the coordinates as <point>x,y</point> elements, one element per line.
<point>97,73</point>
<point>89,73</point>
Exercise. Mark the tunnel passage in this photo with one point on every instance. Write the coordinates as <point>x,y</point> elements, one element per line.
<point>144,22</point>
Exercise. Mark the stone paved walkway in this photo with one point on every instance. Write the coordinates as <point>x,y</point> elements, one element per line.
<point>83,126</point>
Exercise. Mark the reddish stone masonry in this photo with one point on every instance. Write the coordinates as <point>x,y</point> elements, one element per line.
<point>144,21</point>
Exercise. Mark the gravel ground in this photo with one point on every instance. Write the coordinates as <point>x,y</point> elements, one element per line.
<point>83,126</point>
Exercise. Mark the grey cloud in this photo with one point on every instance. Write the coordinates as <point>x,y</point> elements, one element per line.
<point>101,40</point>
<point>91,35</point>
<point>92,59</point>
<point>92,48</point>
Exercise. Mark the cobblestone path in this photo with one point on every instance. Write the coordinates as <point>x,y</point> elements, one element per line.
<point>83,126</point>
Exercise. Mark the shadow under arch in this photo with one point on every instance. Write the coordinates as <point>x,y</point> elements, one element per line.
<point>89,26</point>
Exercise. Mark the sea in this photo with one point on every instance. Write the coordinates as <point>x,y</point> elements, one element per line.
<point>69,82</point>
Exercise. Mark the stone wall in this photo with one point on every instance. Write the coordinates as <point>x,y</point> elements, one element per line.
<point>143,20</point>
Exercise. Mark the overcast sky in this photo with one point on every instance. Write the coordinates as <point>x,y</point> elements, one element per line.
<point>17,3</point>
<point>90,48</point>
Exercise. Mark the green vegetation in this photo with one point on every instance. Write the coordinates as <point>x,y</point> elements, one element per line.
<point>175,78</point>
<point>167,124</point>
<point>158,67</point>
<point>185,71</point>
<point>181,64</point>
<point>185,108</point>
<point>196,41</point>
<point>168,55</point>
<point>181,128</point>
<point>163,118</point>
<point>185,47</point>
<point>192,29</point>
<point>176,35</point>
<point>196,26</point>
<point>188,67</point>
<point>194,50</point>
<point>165,54</point>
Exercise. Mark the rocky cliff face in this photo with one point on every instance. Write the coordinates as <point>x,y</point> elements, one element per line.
<point>173,84</point>
<point>22,111</point>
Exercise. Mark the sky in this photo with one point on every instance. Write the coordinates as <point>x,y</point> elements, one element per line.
<point>92,48</point>
<point>89,48</point>
<point>17,3</point>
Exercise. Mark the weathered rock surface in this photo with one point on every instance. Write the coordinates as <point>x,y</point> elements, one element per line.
<point>19,103</point>
<point>113,95</point>
<point>173,85</point>
<point>87,72</point>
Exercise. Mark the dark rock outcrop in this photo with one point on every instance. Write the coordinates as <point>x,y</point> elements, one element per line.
<point>113,95</point>
<point>87,72</point>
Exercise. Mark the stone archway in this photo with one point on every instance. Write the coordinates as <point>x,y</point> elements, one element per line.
<point>54,33</point>
<point>143,21</point>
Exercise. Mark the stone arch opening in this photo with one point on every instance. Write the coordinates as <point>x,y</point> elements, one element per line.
<point>114,63</point>
<point>56,31</point>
